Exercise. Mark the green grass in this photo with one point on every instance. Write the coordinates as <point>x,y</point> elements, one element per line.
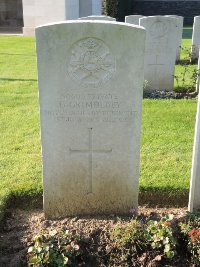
<point>167,132</point>
<point>167,139</point>
<point>183,71</point>
<point>20,160</point>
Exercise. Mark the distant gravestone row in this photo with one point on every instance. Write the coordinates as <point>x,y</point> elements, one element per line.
<point>164,36</point>
<point>90,91</point>
<point>133,19</point>
<point>160,53</point>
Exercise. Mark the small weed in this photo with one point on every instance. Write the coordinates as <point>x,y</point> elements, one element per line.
<point>186,77</point>
<point>161,235</point>
<point>54,249</point>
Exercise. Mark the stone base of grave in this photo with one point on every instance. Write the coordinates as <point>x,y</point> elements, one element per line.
<point>28,31</point>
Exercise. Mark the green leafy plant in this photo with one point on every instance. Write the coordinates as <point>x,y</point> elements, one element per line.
<point>58,248</point>
<point>161,235</point>
<point>186,78</point>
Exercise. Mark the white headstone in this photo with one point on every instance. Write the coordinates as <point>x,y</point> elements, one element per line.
<point>195,39</point>
<point>133,19</point>
<point>90,89</point>
<point>98,18</point>
<point>160,54</point>
<point>198,75</point>
<point>179,35</point>
<point>194,197</point>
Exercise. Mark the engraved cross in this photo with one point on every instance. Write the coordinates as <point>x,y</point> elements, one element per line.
<point>156,65</point>
<point>90,151</point>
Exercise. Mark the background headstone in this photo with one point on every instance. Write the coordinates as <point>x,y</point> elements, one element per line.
<point>195,39</point>
<point>160,53</point>
<point>98,18</point>
<point>194,198</point>
<point>133,19</point>
<point>180,20</point>
<point>90,90</point>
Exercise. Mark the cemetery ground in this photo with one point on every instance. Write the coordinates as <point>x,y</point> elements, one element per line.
<point>166,152</point>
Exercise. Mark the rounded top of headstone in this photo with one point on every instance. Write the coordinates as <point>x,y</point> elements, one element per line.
<point>98,18</point>
<point>158,20</point>
<point>174,16</point>
<point>180,18</point>
<point>134,16</point>
<point>94,22</point>
<point>159,17</point>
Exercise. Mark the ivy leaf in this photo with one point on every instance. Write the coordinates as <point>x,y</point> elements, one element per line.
<point>30,250</point>
<point>167,248</point>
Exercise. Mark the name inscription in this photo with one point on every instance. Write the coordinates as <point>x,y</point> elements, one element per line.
<point>89,108</point>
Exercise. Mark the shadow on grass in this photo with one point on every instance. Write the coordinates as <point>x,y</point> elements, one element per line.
<point>164,197</point>
<point>9,54</point>
<point>184,62</point>
<point>18,80</point>
<point>187,33</point>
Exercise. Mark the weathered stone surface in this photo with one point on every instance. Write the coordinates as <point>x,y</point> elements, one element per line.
<point>179,34</point>
<point>133,19</point>
<point>195,39</point>
<point>39,12</point>
<point>198,75</point>
<point>98,18</point>
<point>160,54</point>
<point>90,88</point>
<point>194,198</point>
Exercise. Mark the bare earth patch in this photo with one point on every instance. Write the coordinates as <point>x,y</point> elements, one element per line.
<point>22,226</point>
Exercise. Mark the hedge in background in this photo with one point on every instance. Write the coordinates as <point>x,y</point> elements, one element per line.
<point>117,8</point>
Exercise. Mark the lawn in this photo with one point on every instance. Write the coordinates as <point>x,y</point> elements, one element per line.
<point>167,133</point>
<point>184,72</point>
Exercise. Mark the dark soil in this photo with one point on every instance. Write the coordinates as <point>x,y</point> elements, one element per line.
<point>21,226</point>
<point>156,94</point>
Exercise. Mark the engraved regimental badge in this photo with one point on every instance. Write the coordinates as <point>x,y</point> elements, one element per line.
<point>159,29</point>
<point>91,63</point>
